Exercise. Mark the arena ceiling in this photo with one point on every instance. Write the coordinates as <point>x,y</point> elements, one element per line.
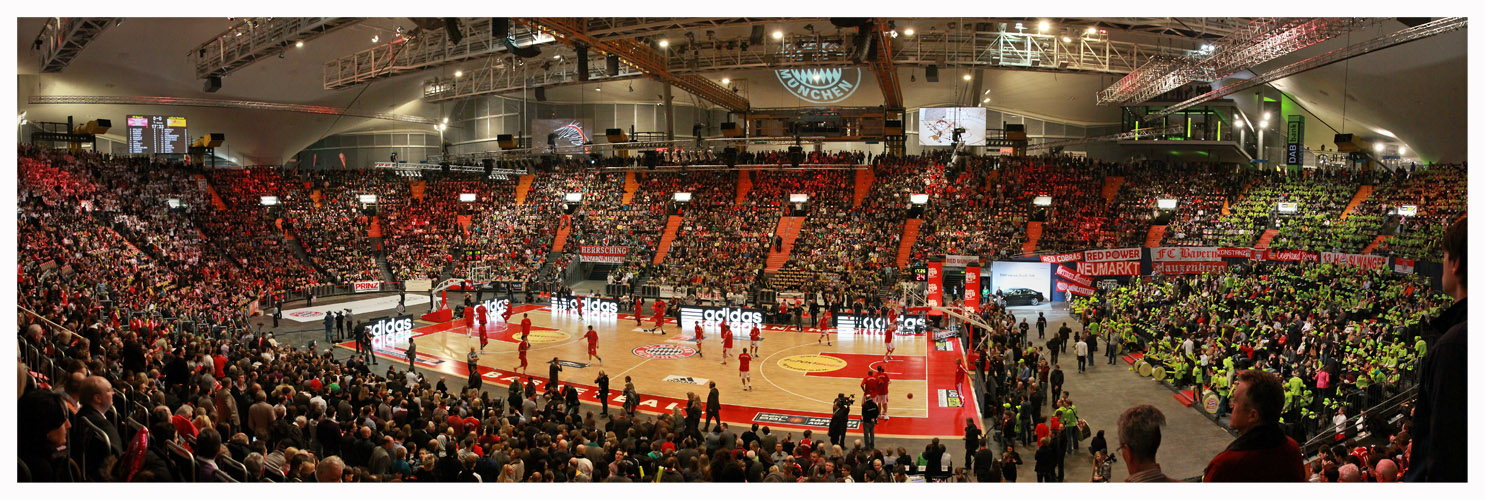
<point>1415,91</point>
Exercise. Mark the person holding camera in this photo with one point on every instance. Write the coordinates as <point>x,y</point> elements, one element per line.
<point>840,412</point>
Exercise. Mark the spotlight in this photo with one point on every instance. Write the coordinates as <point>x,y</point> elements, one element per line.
<point>967,77</point>
<point>908,32</point>
<point>778,35</point>
<point>1402,150</point>
<point>374,38</point>
<point>299,44</point>
<point>1043,26</point>
<point>598,89</point>
<point>1092,30</point>
<point>1263,124</point>
<point>1266,115</point>
<point>445,119</point>
<point>893,33</point>
<point>1378,147</point>
<point>726,81</point>
<point>664,43</point>
<point>458,73</point>
<point>1066,39</point>
<point>1237,123</point>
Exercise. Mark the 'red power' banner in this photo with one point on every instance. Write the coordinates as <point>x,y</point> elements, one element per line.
<point>972,288</point>
<point>1063,257</point>
<point>935,284</point>
<point>1111,255</point>
<point>1068,274</point>
<point>1189,267</point>
<point>1120,268</point>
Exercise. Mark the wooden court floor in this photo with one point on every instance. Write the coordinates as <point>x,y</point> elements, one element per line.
<point>795,376</point>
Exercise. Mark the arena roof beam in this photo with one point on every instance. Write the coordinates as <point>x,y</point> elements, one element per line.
<point>426,50</point>
<point>881,64</point>
<point>254,38</point>
<point>62,38</point>
<point>649,61</point>
<point>505,74</point>
<point>1173,129</point>
<point>1437,27</point>
<point>224,103</point>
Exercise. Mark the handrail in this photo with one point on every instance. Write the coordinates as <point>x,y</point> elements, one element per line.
<point>1326,434</point>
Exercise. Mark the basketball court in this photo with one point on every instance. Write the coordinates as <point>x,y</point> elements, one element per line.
<point>794,378</point>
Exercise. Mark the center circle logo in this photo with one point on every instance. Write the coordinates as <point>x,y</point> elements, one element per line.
<point>812,363</point>
<point>664,351</point>
<point>541,336</point>
<point>820,85</point>
<point>305,314</point>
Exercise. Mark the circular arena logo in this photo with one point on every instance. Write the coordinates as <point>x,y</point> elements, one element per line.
<point>306,314</point>
<point>543,336</point>
<point>664,351</point>
<point>812,363</point>
<point>820,85</point>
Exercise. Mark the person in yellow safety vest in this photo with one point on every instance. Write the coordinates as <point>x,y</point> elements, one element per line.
<point>1219,384</point>
<point>1295,384</point>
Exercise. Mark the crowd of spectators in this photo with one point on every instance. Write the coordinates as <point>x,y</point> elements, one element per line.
<point>334,227</point>
<point>246,231</point>
<point>1438,192</point>
<point>1200,191</point>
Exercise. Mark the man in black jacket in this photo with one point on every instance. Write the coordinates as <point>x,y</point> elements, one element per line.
<point>713,406</point>
<point>1439,423</point>
<point>92,453</point>
<point>934,455</point>
<point>1056,379</point>
<point>602,382</point>
<point>869,414</point>
<point>1046,461</point>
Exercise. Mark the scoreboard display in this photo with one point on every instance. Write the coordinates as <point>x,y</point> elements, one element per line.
<point>164,135</point>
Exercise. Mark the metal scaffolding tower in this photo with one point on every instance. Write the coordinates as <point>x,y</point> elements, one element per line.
<point>62,38</point>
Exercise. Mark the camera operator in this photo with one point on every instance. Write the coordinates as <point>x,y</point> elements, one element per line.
<point>840,413</point>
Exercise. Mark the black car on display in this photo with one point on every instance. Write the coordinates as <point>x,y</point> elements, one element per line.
<point>1023,296</point>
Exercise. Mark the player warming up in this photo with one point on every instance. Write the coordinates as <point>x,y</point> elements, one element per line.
<point>726,343</point>
<point>882,383</point>
<point>659,317</point>
<point>482,313</point>
<point>824,328</point>
<point>639,307</point>
<point>524,346</point>
<point>755,336</point>
<point>891,329</point>
<point>592,337</point>
<point>742,370</point>
<point>699,337</point>
<point>468,322</point>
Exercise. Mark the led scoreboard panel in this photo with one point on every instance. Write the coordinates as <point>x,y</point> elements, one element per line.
<point>164,135</point>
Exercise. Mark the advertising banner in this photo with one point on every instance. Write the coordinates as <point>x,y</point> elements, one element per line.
<point>1074,288</point>
<point>603,254</point>
<point>1111,255</point>
<point>972,288</point>
<point>961,260</point>
<point>1121,268</point>
<point>495,310</point>
<point>1067,273</point>
<point>851,324</point>
<point>1288,255</point>
<point>1064,257</point>
<point>1184,254</point>
<point>935,284</point>
<point>711,318</point>
<point>591,306</point>
<point>390,331</point>
<point>417,285</point>
<point>1367,262</point>
<point>1188,267</point>
<point>1238,253</point>
<point>368,286</point>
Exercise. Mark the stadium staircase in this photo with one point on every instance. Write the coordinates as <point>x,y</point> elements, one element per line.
<point>563,229</point>
<point>297,247</point>
<point>1374,244</point>
<point>788,230</point>
<point>744,184</point>
<point>1111,187</point>
<point>909,238</point>
<point>216,201</point>
<point>523,187</point>
<point>1152,238</point>
<point>672,224</point>
<point>1033,234</point>
<point>1267,237</point>
<point>630,186</point>
<point>385,268</point>
<point>1362,194</point>
<point>864,178</point>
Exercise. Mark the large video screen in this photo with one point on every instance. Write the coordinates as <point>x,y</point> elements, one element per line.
<point>563,132</point>
<point>936,126</point>
<point>1005,276</point>
<point>162,135</point>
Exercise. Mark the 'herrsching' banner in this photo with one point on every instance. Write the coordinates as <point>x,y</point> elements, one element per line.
<point>601,254</point>
<point>711,318</point>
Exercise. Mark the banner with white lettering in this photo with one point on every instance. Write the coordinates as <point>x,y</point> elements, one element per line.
<point>1184,254</point>
<point>935,284</point>
<point>972,288</point>
<point>960,260</point>
<point>1074,288</point>
<point>1402,265</point>
<point>1067,273</point>
<point>1063,257</point>
<point>1111,255</point>
<point>368,286</point>
<point>1367,262</point>
<point>603,254</point>
<point>1121,268</point>
<point>1289,256</point>
<point>1182,267</point>
<point>1238,253</point>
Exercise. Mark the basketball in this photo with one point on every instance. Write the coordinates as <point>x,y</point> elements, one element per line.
<point>910,395</point>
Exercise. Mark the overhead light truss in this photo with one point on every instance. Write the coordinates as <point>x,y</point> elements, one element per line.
<point>224,103</point>
<point>1144,132</point>
<point>254,38</point>
<point>427,50</point>
<point>1436,27</point>
<point>62,38</point>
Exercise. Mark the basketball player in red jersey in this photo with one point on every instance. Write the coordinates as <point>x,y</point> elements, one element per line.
<point>869,385</point>
<point>639,307</point>
<point>525,346</point>
<point>578,303</point>
<point>960,374</point>
<point>525,326</point>
<point>699,337</point>
<point>482,313</point>
<point>882,384</point>
<point>726,343</point>
<point>891,329</point>
<point>592,337</point>
<point>468,322</point>
<point>755,336</point>
<point>505,315</point>
<point>742,370</point>
<point>659,316</point>
<point>824,328</point>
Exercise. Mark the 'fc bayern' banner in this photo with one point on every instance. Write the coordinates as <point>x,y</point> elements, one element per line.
<point>1184,254</point>
<point>1189,267</point>
<point>1121,268</point>
<point>1367,262</point>
<point>1074,288</point>
<point>1063,257</point>
<point>972,288</point>
<point>1111,255</point>
<point>935,284</point>
<point>607,255</point>
<point>1402,265</point>
<point>1068,274</point>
